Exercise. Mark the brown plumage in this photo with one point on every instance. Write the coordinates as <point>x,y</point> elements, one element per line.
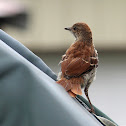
<point>79,63</point>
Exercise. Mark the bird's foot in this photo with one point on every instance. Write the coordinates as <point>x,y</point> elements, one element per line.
<point>91,110</point>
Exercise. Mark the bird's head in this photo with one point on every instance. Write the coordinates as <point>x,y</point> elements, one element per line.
<point>81,31</point>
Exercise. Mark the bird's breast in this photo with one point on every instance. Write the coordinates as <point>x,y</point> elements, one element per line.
<point>89,77</point>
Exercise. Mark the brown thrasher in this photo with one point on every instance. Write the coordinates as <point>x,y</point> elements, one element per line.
<point>79,63</point>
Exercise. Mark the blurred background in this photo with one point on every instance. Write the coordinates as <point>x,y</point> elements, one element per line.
<point>39,25</point>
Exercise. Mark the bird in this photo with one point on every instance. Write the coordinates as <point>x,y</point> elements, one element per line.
<point>79,63</point>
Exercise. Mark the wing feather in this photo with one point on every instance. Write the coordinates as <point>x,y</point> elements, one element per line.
<point>75,67</point>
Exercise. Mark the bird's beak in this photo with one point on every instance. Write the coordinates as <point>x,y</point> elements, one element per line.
<point>68,28</point>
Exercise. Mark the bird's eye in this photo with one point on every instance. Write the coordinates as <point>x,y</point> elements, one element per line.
<point>74,28</point>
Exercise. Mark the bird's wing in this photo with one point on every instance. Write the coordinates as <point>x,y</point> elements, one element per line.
<point>77,66</point>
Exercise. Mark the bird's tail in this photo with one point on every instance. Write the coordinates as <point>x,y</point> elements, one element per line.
<point>72,86</point>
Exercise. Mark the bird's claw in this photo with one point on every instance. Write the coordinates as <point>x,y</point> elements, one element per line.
<point>91,110</point>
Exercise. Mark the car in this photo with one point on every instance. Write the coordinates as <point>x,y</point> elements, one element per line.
<point>29,95</point>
